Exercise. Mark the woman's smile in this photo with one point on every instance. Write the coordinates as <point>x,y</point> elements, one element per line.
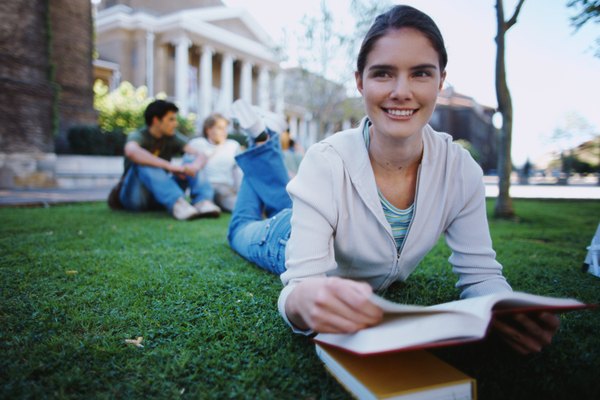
<point>400,84</point>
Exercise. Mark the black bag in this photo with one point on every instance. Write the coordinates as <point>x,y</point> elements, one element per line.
<point>113,197</point>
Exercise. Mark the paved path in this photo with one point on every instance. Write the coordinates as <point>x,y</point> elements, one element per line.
<point>46,197</point>
<point>589,191</point>
<point>90,178</point>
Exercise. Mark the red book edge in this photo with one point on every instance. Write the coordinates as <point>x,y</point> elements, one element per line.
<point>466,340</point>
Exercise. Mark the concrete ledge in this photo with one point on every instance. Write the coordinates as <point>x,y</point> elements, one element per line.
<point>89,165</point>
<point>27,170</point>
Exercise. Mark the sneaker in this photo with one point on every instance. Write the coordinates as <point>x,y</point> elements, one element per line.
<point>182,210</point>
<point>274,121</point>
<point>207,209</point>
<point>249,120</point>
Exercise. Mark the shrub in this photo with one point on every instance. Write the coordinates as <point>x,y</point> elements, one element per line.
<point>122,110</point>
<point>470,148</point>
<point>92,140</point>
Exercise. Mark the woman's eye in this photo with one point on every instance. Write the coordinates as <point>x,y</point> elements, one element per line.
<point>381,74</point>
<point>422,74</point>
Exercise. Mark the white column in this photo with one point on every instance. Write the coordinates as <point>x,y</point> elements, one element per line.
<point>293,127</point>
<point>226,96</point>
<point>160,64</point>
<point>302,133</point>
<point>279,93</point>
<point>246,78</point>
<point>205,106</point>
<point>313,132</point>
<point>263,87</point>
<point>150,63</point>
<point>346,124</point>
<point>181,73</point>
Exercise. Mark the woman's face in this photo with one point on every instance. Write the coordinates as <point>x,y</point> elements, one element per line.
<point>400,83</point>
<point>217,133</point>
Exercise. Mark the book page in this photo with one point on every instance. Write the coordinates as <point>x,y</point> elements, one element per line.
<point>408,326</point>
<point>481,305</point>
<point>400,331</point>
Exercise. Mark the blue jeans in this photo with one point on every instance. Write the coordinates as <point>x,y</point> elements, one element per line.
<point>150,188</point>
<point>262,193</point>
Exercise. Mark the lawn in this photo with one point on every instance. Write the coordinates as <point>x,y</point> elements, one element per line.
<point>76,281</point>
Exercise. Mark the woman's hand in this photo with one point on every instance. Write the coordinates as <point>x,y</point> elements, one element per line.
<point>526,333</point>
<point>332,305</point>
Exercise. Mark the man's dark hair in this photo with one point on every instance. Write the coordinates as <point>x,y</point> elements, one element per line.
<point>158,108</point>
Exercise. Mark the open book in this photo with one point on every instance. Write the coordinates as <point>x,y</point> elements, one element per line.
<point>409,327</point>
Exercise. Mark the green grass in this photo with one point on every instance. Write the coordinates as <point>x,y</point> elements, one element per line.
<point>209,319</point>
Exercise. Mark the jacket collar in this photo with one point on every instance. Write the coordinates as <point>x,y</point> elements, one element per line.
<point>350,145</point>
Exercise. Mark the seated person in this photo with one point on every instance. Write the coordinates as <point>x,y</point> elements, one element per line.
<point>369,203</point>
<point>220,169</point>
<point>292,155</point>
<point>151,181</point>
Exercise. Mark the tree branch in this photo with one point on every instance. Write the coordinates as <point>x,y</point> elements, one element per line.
<point>513,20</point>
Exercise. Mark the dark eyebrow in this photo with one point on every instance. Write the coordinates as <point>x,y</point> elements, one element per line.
<point>424,66</point>
<point>387,67</point>
<point>382,67</point>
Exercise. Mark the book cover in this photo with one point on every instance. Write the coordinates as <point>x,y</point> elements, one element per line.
<point>408,327</point>
<point>410,375</point>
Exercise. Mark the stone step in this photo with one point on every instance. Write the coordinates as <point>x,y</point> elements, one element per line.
<point>60,171</point>
<point>74,171</point>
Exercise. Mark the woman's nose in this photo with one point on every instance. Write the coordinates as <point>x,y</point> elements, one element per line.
<point>401,89</point>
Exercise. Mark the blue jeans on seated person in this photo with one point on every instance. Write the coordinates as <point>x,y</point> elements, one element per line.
<point>148,188</point>
<point>262,193</point>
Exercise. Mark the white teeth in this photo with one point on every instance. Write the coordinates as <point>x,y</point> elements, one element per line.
<point>401,113</point>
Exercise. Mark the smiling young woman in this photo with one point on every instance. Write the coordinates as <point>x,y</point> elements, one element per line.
<point>369,203</point>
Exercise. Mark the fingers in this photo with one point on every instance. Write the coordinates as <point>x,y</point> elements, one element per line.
<point>527,333</point>
<point>511,336</point>
<point>332,305</point>
<point>344,306</point>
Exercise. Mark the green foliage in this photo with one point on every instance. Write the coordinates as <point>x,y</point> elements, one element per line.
<point>572,163</point>
<point>77,280</point>
<point>123,108</point>
<point>187,125</point>
<point>587,11</point>
<point>470,148</point>
<point>55,87</point>
<point>91,140</point>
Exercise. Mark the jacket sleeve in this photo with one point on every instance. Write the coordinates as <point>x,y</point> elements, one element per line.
<point>309,250</point>
<point>468,236</point>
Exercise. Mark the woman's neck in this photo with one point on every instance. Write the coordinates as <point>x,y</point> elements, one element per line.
<point>394,155</point>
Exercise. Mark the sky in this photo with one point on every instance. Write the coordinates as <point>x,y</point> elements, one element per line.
<point>551,69</point>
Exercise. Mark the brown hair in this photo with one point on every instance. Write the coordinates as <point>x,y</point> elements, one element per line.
<point>210,121</point>
<point>402,17</point>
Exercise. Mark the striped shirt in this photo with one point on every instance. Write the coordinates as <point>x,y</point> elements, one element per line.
<point>398,219</point>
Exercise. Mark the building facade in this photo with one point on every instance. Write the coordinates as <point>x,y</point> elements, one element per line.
<point>463,118</point>
<point>46,84</point>
<point>201,54</point>
<point>317,107</point>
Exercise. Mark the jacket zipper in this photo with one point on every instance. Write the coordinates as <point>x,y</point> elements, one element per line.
<point>396,272</point>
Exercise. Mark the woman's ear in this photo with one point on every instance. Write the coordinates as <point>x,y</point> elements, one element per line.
<point>442,80</point>
<point>359,83</point>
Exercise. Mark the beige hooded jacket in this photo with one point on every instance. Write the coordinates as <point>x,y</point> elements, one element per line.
<point>339,229</point>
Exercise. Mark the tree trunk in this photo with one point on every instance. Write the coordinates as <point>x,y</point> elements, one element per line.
<point>504,206</point>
